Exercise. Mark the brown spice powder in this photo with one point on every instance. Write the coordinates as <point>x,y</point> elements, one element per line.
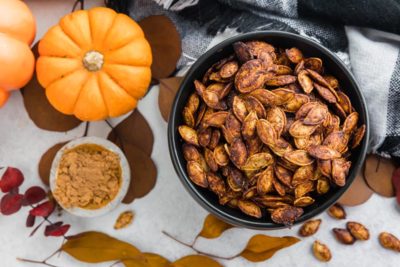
<point>88,177</point>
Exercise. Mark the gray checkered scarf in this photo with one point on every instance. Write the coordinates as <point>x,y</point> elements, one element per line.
<point>364,34</point>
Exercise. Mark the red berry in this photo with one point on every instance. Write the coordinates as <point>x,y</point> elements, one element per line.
<point>11,204</point>
<point>11,178</point>
<point>34,195</point>
<point>43,210</point>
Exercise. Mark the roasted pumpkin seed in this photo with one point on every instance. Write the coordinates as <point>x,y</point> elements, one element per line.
<point>321,251</point>
<point>310,227</point>
<point>286,215</point>
<point>197,174</point>
<point>250,208</point>
<point>189,135</point>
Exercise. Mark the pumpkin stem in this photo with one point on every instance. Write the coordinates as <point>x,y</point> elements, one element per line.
<point>93,60</point>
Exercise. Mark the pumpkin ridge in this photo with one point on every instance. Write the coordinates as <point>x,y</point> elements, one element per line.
<point>121,46</point>
<point>117,83</point>
<point>101,93</point>
<point>109,29</point>
<point>80,90</point>
<point>69,37</point>
<point>111,62</point>
<point>64,76</point>
<point>54,32</point>
<point>72,40</point>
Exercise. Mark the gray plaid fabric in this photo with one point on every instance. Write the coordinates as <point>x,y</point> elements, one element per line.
<point>344,26</point>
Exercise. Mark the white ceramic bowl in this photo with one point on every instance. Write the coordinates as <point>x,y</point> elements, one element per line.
<point>125,175</point>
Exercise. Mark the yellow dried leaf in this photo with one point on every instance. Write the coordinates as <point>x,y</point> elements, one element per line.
<point>196,261</point>
<point>262,247</point>
<point>149,260</point>
<point>95,247</point>
<point>213,227</point>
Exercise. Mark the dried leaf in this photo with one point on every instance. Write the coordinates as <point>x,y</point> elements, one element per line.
<point>196,261</point>
<point>262,247</point>
<point>43,210</point>
<point>41,112</point>
<point>166,95</point>
<point>163,36</point>
<point>11,203</point>
<point>34,195</point>
<point>141,138</point>
<point>12,178</point>
<point>378,175</point>
<point>147,260</point>
<point>56,229</point>
<point>396,183</point>
<point>213,227</point>
<point>143,175</point>
<point>30,221</point>
<point>46,160</point>
<point>96,247</point>
<point>357,193</point>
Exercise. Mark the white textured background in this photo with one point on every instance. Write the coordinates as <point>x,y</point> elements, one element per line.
<point>168,207</point>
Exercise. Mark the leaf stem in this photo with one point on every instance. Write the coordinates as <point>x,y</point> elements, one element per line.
<point>36,228</point>
<point>198,251</point>
<point>43,262</point>
<point>195,239</point>
<point>109,124</point>
<point>76,4</point>
<point>85,133</point>
<point>115,263</point>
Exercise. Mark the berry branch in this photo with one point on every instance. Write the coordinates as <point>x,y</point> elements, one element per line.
<point>198,251</point>
<point>43,262</point>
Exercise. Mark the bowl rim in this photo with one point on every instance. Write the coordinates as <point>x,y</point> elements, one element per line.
<point>192,188</point>
<point>125,175</point>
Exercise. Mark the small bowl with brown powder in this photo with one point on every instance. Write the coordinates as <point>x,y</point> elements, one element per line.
<point>89,176</point>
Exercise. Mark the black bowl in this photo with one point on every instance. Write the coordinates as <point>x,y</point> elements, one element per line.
<point>332,64</point>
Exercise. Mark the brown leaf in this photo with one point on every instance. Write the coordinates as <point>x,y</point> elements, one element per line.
<point>196,261</point>
<point>46,161</point>
<point>96,247</point>
<point>41,112</point>
<point>143,173</point>
<point>133,130</point>
<point>213,227</point>
<point>150,260</point>
<point>378,175</point>
<point>262,247</point>
<point>165,44</point>
<point>168,89</point>
<point>357,193</point>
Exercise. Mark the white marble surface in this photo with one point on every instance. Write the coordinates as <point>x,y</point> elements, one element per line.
<point>168,207</point>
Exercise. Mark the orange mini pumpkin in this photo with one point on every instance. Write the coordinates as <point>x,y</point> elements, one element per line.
<point>17,31</point>
<point>94,64</point>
